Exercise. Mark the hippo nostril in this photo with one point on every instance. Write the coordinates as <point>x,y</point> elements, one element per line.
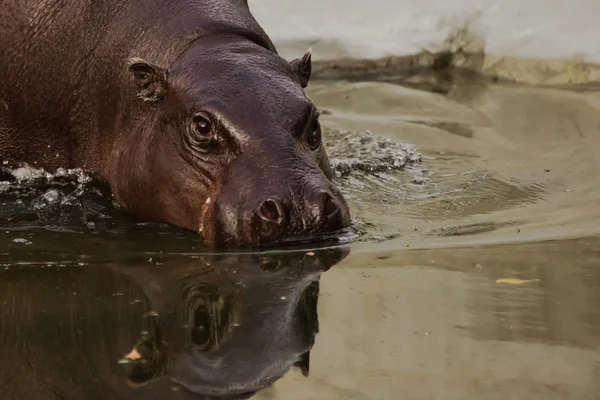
<point>330,207</point>
<point>271,211</point>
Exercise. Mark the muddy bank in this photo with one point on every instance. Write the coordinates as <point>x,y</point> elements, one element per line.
<point>462,58</point>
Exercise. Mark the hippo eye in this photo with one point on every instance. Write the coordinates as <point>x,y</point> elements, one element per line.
<point>203,128</point>
<point>314,137</point>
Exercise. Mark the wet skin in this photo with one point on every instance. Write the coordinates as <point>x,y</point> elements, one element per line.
<point>192,117</point>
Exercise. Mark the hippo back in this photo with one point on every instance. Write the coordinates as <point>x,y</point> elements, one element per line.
<point>64,87</point>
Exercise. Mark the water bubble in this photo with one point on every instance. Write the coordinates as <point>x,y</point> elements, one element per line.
<point>38,204</point>
<point>51,196</point>
<point>27,173</point>
<point>60,172</point>
<point>4,186</point>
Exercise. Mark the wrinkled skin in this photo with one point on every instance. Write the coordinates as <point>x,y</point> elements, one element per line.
<point>222,327</point>
<point>184,107</point>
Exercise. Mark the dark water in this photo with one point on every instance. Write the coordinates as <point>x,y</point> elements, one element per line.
<point>222,325</point>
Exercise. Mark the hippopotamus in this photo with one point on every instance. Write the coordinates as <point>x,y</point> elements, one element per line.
<point>184,107</point>
<point>220,326</point>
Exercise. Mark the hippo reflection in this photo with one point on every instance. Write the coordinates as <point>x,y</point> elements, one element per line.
<point>213,327</point>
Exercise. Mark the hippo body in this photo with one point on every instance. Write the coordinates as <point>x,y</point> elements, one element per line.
<point>185,107</point>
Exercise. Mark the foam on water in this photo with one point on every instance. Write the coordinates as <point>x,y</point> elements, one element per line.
<point>26,174</point>
<point>368,153</point>
<point>30,182</point>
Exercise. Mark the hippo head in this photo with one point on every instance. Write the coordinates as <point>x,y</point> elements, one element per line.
<point>227,143</point>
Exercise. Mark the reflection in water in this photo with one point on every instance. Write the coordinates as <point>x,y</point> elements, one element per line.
<point>220,326</point>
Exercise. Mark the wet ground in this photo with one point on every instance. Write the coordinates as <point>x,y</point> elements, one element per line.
<point>473,182</point>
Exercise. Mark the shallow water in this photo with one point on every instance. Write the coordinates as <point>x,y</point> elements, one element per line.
<point>475,273</point>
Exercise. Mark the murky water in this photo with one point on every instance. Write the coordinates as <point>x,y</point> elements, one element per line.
<point>475,273</point>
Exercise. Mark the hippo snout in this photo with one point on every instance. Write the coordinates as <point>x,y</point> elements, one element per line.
<point>319,210</point>
<point>276,218</point>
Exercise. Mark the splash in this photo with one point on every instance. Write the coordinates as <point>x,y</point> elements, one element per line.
<point>367,153</point>
<point>64,186</point>
<point>66,200</point>
<point>377,176</point>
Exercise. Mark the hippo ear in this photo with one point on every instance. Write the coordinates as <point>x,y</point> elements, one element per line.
<point>150,80</point>
<point>303,67</point>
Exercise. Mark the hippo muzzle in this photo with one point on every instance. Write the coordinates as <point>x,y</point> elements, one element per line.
<point>270,205</point>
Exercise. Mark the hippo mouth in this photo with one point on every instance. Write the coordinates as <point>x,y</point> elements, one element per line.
<point>232,231</point>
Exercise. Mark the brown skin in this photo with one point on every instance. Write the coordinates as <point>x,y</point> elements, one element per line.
<point>184,107</point>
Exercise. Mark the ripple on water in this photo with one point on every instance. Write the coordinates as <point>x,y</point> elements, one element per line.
<point>392,189</point>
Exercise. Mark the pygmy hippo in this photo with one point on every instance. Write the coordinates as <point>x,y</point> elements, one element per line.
<point>185,107</point>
